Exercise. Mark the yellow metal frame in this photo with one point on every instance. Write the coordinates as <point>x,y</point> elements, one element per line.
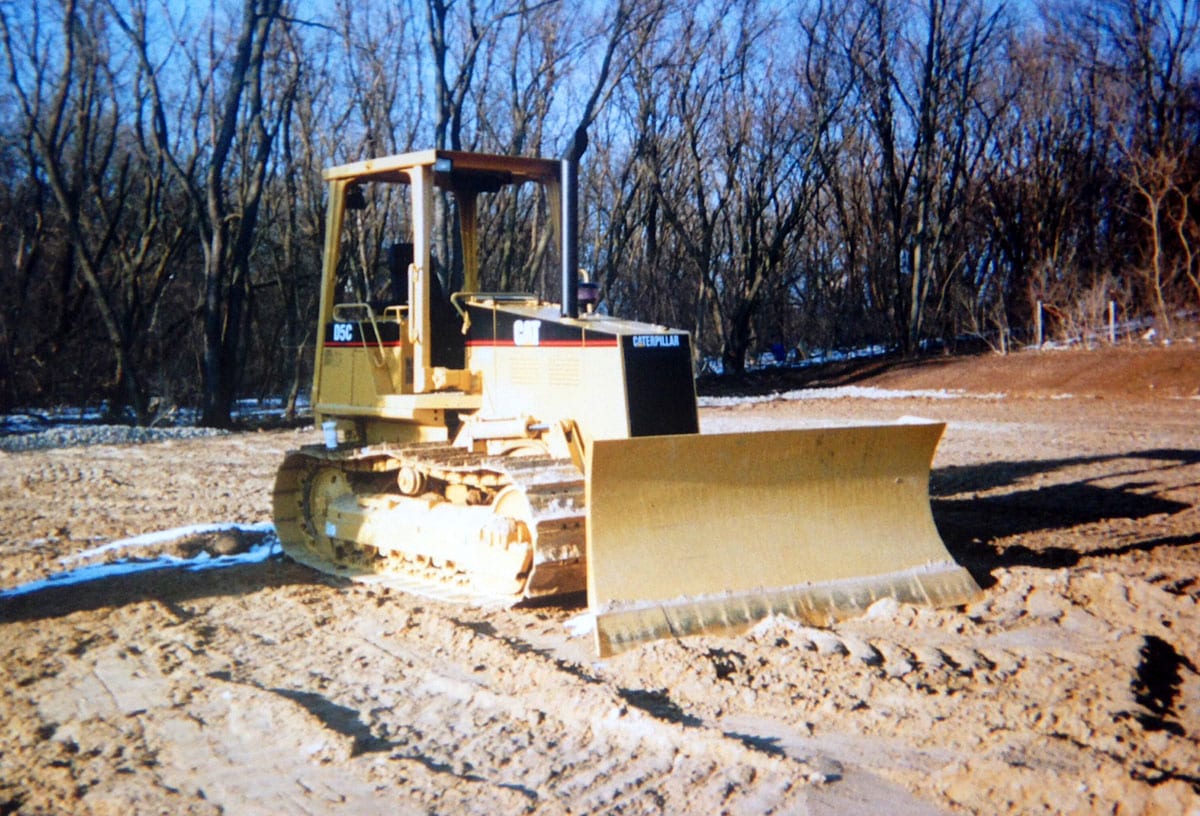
<point>409,373</point>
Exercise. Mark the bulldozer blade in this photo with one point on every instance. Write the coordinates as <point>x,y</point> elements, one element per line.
<point>711,533</point>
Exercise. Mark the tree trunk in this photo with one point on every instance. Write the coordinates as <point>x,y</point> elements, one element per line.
<point>226,260</point>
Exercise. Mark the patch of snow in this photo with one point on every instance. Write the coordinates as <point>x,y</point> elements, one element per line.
<point>581,625</point>
<point>267,549</point>
<point>883,609</point>
<point>26,429</point>
<point>739,422</point>
<point>771,625</point>
<point>166,536</point>
<point>1058,345</point>
<point>71,435</point>
<point>794,358</point>
<point>845,392</point>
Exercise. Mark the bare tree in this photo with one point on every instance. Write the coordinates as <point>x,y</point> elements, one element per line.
<point>85,137</point>
<point>382,100</point>
<point>28,241</point>
<point>224,177</point>
<point>297,209</point>
<point>1165,191</point>
<point>1147,48</point>
<point>921,67</point>
<point>747,163</point>
<point>839,173</point>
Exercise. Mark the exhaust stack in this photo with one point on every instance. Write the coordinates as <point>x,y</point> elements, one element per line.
<point>570,238</point>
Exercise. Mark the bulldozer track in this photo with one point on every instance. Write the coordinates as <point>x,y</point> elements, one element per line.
<point>438,479</point>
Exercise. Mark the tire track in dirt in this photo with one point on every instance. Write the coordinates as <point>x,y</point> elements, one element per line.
<point>462,699</point>
<point>409,704</point>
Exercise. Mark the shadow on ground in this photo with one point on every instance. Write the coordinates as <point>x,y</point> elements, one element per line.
<point>978,529</point>
<point>170,585</point>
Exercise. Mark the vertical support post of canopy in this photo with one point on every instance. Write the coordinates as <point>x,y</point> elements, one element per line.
<point>470,239</point>
<point>335,215</point>
<point>418,278</point>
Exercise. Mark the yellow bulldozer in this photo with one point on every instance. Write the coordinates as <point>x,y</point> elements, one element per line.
<point>494,447</point>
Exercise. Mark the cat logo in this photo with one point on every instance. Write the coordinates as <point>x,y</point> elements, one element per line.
<point>526,332</point>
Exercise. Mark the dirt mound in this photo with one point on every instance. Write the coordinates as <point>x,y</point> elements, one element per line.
<point>1134,372</point>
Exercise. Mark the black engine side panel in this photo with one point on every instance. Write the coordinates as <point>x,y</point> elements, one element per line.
<point>659,384</point>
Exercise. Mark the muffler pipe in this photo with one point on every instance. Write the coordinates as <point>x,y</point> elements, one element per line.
<point>570,238</point>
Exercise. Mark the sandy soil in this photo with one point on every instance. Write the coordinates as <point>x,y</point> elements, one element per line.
<point>1073,686</point>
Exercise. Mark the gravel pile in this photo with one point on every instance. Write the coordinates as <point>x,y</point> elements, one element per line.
<point>65,436</point>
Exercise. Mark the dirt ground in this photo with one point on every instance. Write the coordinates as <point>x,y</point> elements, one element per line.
<point>1067,482</point>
